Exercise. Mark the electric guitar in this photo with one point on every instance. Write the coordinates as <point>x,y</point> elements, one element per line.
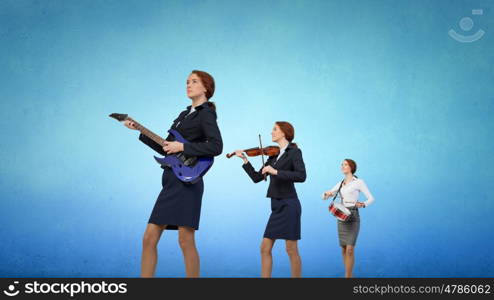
<point>187,169</point>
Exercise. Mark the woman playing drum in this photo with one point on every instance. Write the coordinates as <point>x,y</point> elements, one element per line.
<point>349,191</point>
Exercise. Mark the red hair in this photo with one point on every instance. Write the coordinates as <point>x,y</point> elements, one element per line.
<point>352,164</point>
<point>208,82</point>
<point>288,130</point>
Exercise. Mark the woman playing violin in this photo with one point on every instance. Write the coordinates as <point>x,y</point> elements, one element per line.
<point>284,167</point>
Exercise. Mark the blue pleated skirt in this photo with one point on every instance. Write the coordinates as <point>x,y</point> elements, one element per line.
<point>284,221</point>
<point>178,204</point>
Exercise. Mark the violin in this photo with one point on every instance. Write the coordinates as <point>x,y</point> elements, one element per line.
<point>256,151</point>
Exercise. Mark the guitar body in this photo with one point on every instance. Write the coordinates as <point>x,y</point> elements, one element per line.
<point>188,170</point>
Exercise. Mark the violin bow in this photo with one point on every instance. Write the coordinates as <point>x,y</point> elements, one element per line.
<point>262,155</point>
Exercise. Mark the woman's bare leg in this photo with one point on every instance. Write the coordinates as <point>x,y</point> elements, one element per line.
<point>350,259</point>
<point>149,249</point>
<point>343,253</point>
<point>186,240</point>
<point>295,261</point>
<point>266,257</point>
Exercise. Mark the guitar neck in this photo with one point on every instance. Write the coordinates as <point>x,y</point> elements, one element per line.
<point>148,133</point>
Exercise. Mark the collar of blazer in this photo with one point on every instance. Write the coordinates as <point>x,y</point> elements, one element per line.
<point>199,107</point>
<point>186,115</point>
<point>288,148</point>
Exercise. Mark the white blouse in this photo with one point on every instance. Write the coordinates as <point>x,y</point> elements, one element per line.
<point>282,151</point>
<point>192,109</point>
<point>350,192</point>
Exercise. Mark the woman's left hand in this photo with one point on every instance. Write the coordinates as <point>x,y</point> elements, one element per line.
<point>269,170</point>
<point>173,147</point>
<point>359,204</point>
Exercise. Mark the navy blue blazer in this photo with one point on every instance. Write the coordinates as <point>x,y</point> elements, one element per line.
<point>291,168</point>
<point>199,128</point>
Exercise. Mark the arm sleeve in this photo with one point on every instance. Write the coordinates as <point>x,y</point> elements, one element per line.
<point>335,188</point>
<point>213,145</point>
<point>298,173</point>
<point>152,144</point>
<point>364,189</point>
<point>256,176</point>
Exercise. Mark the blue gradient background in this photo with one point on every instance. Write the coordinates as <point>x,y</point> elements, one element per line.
<point>377,81</point>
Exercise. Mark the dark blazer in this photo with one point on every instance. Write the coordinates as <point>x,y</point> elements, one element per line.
<point>199,128</point>
<point>291,168</point>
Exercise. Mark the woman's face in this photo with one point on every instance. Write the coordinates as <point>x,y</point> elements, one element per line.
<point>345,167</point>
<point>195,88</point>
<point>277,134</point>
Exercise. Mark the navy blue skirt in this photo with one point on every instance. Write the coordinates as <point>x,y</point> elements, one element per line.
<point>284,221</point>
<point>178,204</point>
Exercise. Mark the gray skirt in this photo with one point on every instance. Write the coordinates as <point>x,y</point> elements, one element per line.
<point>348,230</point>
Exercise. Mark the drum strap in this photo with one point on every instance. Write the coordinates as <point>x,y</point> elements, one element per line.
<point>338,190</point>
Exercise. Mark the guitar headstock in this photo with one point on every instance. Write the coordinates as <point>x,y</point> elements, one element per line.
<point>119,117</point>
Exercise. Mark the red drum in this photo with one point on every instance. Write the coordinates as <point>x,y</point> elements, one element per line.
<point>339,211</point>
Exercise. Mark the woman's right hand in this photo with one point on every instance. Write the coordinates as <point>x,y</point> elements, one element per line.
<point>129,124</point>
<point>326,195</point>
